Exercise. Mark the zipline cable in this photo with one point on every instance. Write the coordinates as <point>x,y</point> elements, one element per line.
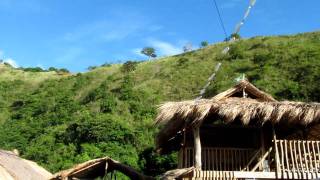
<point>220,19</point>
<point>225,50</point>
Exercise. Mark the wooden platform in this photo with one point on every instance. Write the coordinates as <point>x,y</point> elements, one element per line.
<point>208,175</point>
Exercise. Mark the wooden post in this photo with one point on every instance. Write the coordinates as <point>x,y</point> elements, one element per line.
<point>197,148</point>
<point>276,152</point>
<point>184,149</point>
<point>262,167</point>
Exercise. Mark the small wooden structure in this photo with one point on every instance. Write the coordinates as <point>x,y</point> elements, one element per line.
<point>12,167</point>
<point>95,168</point>
<point>242,133</point>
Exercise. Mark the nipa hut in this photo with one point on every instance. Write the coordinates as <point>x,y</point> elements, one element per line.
<point>12,167</point>
<point>100,167</point>
<point>242,132</point>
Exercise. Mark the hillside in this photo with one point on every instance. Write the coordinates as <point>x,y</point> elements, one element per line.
<point>59,120</point>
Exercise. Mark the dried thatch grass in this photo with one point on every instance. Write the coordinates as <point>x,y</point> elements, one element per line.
<point>176,173</point>
<point>14,167</point>
<point>174,116</point>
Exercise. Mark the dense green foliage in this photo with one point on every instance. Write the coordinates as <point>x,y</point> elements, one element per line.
<point>204,44</point>
<point>59,120</point>
<point>149,51</point>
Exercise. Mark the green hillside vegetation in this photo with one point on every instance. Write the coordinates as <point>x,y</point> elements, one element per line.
<point>59,120</point>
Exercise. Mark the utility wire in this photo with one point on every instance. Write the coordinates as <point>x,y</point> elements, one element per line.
<point>220,19</point>
<point>213,75</point>
<point>225,50</point>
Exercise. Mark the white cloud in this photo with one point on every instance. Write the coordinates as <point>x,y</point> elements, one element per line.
<point>12,62</point>
<point>137,51</point>
<point>164,48</point>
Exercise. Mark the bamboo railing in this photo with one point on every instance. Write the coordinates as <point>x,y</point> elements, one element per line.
<point>287,159</point>
<point>298,157</point>
<point>218,159</point>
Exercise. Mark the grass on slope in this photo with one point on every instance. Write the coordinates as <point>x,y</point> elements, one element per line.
<point>65,120</point>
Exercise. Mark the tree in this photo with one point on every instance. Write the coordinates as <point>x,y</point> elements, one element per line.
<point>235,36</point>
<point>90,68</point>
<point>204,44</point>
<point>34,69</point>
<point>149,51</point>
<point>52,69</point>
<point>64,70</point>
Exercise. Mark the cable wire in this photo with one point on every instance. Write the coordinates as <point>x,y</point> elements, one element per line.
<point>220,19</point>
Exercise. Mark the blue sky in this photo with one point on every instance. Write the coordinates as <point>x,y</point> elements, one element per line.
<point>82,33</point>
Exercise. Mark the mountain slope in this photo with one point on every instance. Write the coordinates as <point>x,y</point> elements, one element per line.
<point>59,120</point>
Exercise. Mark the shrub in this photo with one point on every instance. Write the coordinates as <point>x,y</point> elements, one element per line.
<point>90,68</point>
<point>33,69</point>
<point>129,66</point>
<point>181,61</point>
<point>236,52</point>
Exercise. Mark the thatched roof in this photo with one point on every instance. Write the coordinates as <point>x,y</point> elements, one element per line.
<point>98,168</point>
<point>256,107</point>
<point>12,167</point>
<point>176,173</point>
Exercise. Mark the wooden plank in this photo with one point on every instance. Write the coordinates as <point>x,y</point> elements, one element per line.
<point>282,157</point>
<point>318,152</point>
<point>300,159</point>
<point>314,157</point>
<point>286,156</point>
<point>291,156</point>
<point>251,160</point>
<point>305,158</point>
<point>262,159</point>
<point>254,175</point>
<point>310,157</point>
<point>296,159</point>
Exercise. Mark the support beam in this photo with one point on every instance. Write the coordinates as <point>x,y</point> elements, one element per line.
<point>276,152</point>
<point>197,148</point>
